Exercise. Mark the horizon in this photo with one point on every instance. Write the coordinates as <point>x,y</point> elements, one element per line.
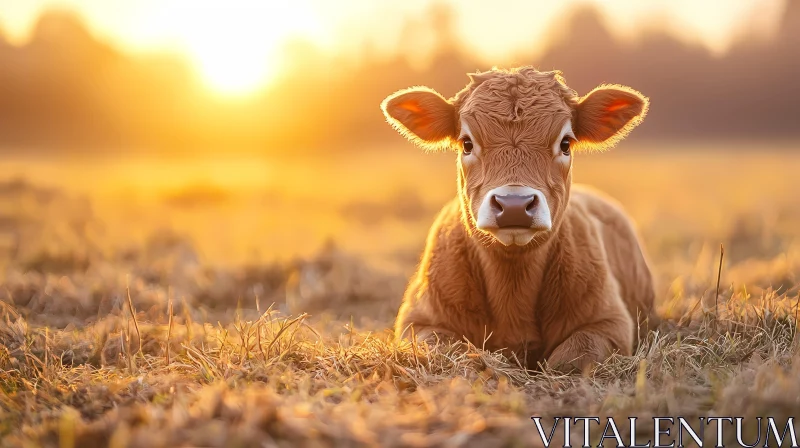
<point>66,90</point>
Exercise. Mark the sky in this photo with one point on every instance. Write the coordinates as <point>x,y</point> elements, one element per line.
<point>205,30</point>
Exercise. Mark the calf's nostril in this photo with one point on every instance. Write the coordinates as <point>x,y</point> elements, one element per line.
<point>496,204</point>
<point>532,205</point>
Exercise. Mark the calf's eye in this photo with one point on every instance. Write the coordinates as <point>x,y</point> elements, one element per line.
<point>466,144</point>
<point>565,145</point>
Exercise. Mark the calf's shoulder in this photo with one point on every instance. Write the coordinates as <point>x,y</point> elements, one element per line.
<point>443,290</point>
<point>624,252</point>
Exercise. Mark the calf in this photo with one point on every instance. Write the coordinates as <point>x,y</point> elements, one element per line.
<point>520,260</point>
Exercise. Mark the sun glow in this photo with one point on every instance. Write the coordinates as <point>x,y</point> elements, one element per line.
<point>234,44</point>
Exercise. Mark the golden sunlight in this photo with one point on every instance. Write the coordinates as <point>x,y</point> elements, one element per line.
<point>234,44</point>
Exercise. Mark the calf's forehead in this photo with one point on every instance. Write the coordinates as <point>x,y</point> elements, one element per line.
<point>515,109</point>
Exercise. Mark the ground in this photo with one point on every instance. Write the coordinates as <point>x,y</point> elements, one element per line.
<point>204,316</point>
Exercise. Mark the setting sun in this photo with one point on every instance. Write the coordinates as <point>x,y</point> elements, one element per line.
<point>234,44</point>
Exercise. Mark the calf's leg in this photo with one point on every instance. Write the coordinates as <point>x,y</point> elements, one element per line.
<point>593,343</point>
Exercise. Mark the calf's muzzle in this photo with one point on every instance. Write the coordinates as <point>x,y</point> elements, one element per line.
<point>515,211</point>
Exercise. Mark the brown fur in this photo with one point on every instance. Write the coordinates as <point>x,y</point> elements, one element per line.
<point>571,296</point>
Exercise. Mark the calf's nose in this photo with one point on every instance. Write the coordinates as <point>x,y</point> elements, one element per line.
<point>515,210</point>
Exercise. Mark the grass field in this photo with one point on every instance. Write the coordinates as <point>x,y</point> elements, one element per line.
<point>251,306</point>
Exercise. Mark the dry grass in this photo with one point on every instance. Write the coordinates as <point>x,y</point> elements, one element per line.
<point>145,343</point>
<point>278,380</point>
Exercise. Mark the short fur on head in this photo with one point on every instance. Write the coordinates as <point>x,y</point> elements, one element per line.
<point>515,117</point>
<point>551,276</point>
<point>602,117</point>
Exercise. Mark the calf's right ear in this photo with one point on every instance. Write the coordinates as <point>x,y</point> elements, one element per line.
<point>423,116</point>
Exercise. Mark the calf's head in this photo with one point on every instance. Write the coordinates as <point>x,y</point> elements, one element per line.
<point>515,132</point>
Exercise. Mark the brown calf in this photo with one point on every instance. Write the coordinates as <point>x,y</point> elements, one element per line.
<point>541,269</point>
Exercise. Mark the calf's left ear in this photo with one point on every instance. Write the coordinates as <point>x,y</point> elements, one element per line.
<point>423,116</point>
<point>607,114</point>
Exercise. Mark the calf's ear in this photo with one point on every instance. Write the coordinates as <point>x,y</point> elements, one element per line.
<point>607,114</point>
<point>423,116</point>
